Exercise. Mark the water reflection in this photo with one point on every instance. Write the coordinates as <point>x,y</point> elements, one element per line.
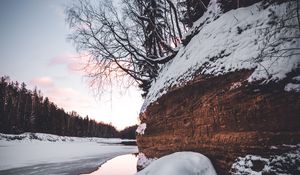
<point>125,165</point>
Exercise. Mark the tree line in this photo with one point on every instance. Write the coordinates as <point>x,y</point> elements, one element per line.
<point>23,110</point>
<point>128,132</point>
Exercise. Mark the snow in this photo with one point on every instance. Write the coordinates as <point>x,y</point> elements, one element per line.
<point>297,78</point>
<point>285,163</point>
<point>236,40</point>
<point>292,87</point>
<point>141,128</point>
<point>38,137</point>
<point>212,13</point>
<point>144,161</point>
<point>35,149</point>
<point>179,163</point>
<point>235,85</point>
<point>245,164</point>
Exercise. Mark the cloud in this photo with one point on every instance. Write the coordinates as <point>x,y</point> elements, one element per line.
<point>60,59</point>
<point>70,99</point>
<point>62,92</point>
<point>75,63</point>
<point>42,82</point>
<point>65,97</point>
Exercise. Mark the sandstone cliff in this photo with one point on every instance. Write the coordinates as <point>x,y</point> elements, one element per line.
<point>223,108</point>
<point>221,122</point>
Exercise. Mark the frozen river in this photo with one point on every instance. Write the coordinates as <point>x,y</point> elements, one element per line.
<point>62,156</point>
<point>123,163</point>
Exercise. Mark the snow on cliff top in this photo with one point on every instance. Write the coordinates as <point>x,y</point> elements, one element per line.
<point>245,38</point>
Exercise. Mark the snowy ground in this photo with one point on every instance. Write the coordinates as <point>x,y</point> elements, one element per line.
<point>50,154</point>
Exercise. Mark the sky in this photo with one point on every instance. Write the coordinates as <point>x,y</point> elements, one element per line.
<point>34,50</point>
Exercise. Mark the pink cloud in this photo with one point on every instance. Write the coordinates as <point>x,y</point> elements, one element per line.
<point>43,82</point>
<point>62,92</point>
<point>65,97</point>
<point>70,99</point>
<point>75,63</point>
<point>61,59</point>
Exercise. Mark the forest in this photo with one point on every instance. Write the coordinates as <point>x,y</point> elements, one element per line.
<point>23,110</point>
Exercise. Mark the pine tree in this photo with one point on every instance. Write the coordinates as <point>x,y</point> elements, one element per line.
<point>35,113</point>
<point>3,87</point>
<point>43,119</point>
<point>28,112</point>
<point>21,107</point>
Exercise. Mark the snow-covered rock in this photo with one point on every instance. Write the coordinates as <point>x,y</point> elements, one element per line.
<point>292,87</point>
<point>141,128</point>
<point>250,38</point>
<point>285,163</point>
<point>180,163</point>
<point>144,161</point>
<point>297,78</point>
<point>235,85</point>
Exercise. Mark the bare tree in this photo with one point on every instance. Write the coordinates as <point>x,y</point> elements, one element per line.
<point>281,36</point>
<point>117,39</point>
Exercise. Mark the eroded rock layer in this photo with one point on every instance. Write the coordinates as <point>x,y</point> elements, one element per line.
<point>221,117</point>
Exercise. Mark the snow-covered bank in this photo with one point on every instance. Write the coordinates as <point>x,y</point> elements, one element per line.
<point>36,137</point>
<point>187,163</point>
<point>35,149</point>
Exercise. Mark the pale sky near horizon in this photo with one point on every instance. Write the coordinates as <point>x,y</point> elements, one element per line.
<point>34,50</point>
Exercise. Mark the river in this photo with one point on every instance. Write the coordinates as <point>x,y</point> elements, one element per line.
<point>124,164</point>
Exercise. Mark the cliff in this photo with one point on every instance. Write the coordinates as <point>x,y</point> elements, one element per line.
<point>221,122</point>
<point>215,96</point>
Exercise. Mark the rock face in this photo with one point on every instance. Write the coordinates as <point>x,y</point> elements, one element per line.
<point>221,117</point>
